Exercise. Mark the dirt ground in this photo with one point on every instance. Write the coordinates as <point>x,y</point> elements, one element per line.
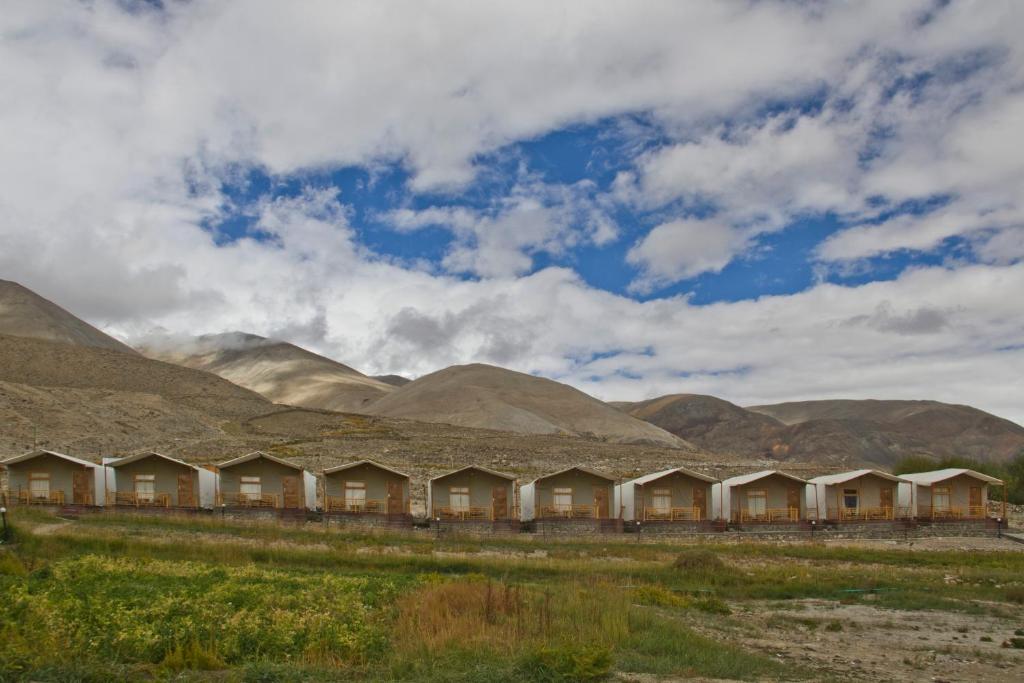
<point>861,642</point>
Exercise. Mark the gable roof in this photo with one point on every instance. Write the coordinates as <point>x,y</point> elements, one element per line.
<point>748,478</point>
<point>578,468</point>
<point>142,456</point>
<point>935,476</point>
<point>654,476</point>
<point>474,467</point>
<point>36,453</point>
<point>255,455</point>
<point>341,468</point>
<point>843,477</point>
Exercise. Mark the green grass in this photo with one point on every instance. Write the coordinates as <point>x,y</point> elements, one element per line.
<point>112,597</point>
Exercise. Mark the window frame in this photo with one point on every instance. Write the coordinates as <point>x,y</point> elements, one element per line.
<point>558,497</point>
<point>40,477</point>
<point>460,492</point>
<point>947,492</point>
<point>759,495</point>
<point>250,481</point>
<point>662,495</point>
<point>354,487</point>
<point>145,496</point>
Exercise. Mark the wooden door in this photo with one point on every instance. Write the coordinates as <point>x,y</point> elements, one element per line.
<point>974,500</point>
<point>186,490</point>
<point>700,500</point>
<point>885,498</point>
<point>499,503</point>
<point>793,501</point>
<point>601,502</point>
<point>81,487</point>
<point>292,490</point>
<point>396,505</point>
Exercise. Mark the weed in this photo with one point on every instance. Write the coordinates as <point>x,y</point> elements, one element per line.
<point>834,626</point>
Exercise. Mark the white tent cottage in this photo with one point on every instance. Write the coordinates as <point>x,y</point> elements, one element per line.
<point>673,495</point>
<point>858,495</point>
<point>949,494</point>
<point>43,477</point>
<point>769,496</point>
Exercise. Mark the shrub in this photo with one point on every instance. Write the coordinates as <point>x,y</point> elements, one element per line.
<point>834,626</point>
<point>1015,594</point>
<point>712,605</point>
<point>569,663</point>
<point>698,560</point>
<point>659,596</point>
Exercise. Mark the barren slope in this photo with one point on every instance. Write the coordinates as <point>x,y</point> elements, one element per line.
<point>709,422</point>
<point>23,313</point>
<point>282,372</point>
<point>494,398</point>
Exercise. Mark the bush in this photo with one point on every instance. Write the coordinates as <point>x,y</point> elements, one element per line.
<point>698,560</point>
<point>568,663</point>
<point>1015,594</point>
<point>659,596</point>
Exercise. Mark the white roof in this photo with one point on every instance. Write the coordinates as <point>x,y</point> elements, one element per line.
<point>586,470</point>
<point>843,477</point>
<point>748,478</point>
<point>143,456</point>
<point>255,455</point>
<point>474,467</point>
<point>35,454</point>
<point>935,476</point>
<point>640,481</point>
<point>340,468</point>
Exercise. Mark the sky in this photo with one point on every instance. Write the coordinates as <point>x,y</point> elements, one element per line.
<point>763,201</point>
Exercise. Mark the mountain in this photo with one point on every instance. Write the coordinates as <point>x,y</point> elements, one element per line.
<point>709,422</point>
<point>393,380</point>
<point>23,313</point>
<point>282,372</point>
<point>840,432</point>
<point>490,397</point>
<point>87,399</point>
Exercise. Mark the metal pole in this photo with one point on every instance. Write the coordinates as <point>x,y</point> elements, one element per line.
<point>3,514</point>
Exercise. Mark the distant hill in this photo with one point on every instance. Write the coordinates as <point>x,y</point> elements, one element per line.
<point>23,313</point>
<point>838,432</point>
<point>490,397</point>
<point>282,372</point>
<point>393,380</point>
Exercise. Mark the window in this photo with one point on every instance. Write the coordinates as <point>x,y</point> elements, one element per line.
<point>661,499</point>
<point>562,499</point>
<point>145,487</point>
<point>39,485</point>
<point>940,498</point>
<point>355,495</point>
<point>250,488</point>
<point>851,499</point>
<point>458,498</point>
<point>757,503</point>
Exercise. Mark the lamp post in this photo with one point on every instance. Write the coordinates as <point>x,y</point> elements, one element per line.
<point>3,515</point>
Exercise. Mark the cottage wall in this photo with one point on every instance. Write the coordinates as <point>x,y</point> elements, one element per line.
<point>271,476</point>
<point>60,470</point>
<point>681,486</point>
<point>959,493</point>
<point>480,485</point>
<point>584,490</point>
<point>165,473</point>
<point>870,489</point>
<point>776,488</point>
<point>375,478</point>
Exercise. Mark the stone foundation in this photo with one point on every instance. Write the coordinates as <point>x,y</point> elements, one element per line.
<point>351,520</point>
<point>574,527</point>
<point>668,528</point>
<point>475,528</point>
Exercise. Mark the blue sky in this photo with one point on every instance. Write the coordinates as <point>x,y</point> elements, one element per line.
<point>608,194</point>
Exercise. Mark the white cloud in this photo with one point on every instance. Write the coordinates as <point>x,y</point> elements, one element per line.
<point>681,249</point>
<point>117,131</point>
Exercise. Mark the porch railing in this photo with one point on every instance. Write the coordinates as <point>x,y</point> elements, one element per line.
<point>25,497</point>
<point>953,512</point>
<point>341,504</point>
<point>249,500</point>
<point>133,499</point>
<point>768,515</point>
<point>867,514</point>
<point>484,514</point>
<point>569,511</point>
<point>684,514</point>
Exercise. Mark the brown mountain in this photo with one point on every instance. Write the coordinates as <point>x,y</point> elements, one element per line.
<point>23,313</point>
<point>709,422</point>
<point>843,432</point>
<point>282,372</point>
<point>490,397</point>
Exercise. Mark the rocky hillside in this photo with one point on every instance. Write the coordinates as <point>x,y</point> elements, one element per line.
<point>282,372</point>
<point>835,433</point>
<point>23,313</point>
<point>490,397</point>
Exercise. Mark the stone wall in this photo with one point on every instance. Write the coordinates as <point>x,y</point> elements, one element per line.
<point>574,527</point>
<point>367,521</point>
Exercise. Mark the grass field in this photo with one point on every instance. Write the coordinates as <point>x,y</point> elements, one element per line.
<point>126,598</point>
